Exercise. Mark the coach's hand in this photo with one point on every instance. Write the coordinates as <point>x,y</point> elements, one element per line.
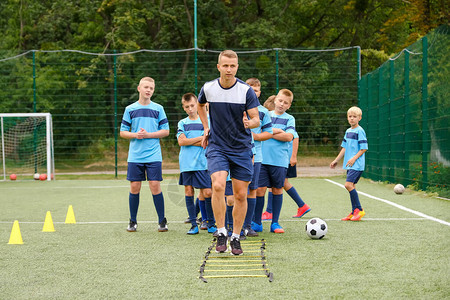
<point>205,138</point>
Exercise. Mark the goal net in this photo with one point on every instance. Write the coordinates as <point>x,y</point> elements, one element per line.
<point>27,145</point>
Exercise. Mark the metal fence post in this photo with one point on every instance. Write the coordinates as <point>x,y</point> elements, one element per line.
<point>425,130</point>
<point>115,115</point>
<point>406,120</point>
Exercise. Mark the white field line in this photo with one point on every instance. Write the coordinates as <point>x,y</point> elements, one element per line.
<point>182,222</point>
<point>418,213</point>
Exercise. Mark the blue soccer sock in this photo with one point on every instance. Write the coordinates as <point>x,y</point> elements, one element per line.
<point>354,198</point>
<point>202,204</point>
<point>269,202</point>
<point>229,218</point>
<point>209,212</point>
<point>158,200</point>
<point>295,196</point>
<point>197,207</point>
<point>251,203</point>
<point>259,207</point>
<point>277,202</point>
<point>133,201</point>
<point>190,206</point>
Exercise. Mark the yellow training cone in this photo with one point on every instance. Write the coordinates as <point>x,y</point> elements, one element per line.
<point>70,217</point>
<point>16,237</point>
<point>48,223</point>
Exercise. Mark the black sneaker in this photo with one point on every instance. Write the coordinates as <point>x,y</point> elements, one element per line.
<point>132,226</point>
<point>163,225</point>
<point>236,246</point>
<point>221,245</point>
<point>250,232</point>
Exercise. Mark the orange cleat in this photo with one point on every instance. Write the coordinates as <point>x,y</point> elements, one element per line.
<point>302,210</point>
<point>357,215</point>
<point>348,218</point>
<point>266,216</point>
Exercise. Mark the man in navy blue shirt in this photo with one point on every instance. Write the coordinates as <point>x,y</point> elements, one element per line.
<point>233,111</point>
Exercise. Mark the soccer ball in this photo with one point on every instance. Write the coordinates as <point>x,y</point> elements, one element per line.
<point>36,176</point>
<point>316,228</point>
<point>399,188</point>
<point>43,177</point>
<point>13,176</point>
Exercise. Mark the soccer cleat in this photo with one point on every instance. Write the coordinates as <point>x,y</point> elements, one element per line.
<point>132,226</point>
<point>193,230</point>
<point>212,229</point>
<point>276,228</point>
<point>347,218</point>
<point>199,220</point>
<point>302,210</point>
<point>250,232</point>
<point>187,221</point>
<point>257,227</point>
<point>266,216</point>
<point>203,226</point>
<point>242,235</point>
<point>221,245</point>
<point>235,245</point>
<point>357,215</point>
<point>163,226</point>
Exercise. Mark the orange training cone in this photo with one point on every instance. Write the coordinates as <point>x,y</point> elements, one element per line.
<point>16,237</point>
<point>70,217</point>
<point>48,223</point>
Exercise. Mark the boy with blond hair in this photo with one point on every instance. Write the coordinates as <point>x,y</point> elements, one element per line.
<point>192,161</point>
<point>144,123</point>
<point>354,147</point>
<point>276,155</point>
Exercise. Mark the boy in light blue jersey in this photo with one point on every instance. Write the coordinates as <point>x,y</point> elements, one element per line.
<point>192,160</point>
<point>232,113</point>
<point>261,133</point>
<point>276,156</point>
<point>354,147</point>
<point>144,123</point>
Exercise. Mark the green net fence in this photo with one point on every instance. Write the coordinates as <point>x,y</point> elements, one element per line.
<point>87,92</point>
<point>406,108</point>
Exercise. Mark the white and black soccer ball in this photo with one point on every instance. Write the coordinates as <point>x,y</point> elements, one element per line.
<point>36,176</point>
<point>316,228</point>
<point>399,189</point>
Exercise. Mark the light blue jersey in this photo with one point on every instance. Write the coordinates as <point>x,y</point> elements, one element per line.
<point>354,140</point>
<point>152,118</point>
<point>274,152</point>
<point>191,158</point>
<point>265,125</point>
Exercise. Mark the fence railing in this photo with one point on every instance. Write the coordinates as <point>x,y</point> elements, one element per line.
<point>406,115</point>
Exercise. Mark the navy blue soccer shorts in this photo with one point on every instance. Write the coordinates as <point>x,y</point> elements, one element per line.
<point>198,179</point>
<point>239,164</point>
<point>353,176</point>
<point>255,179</point>
<point>272,176</point>
<point>144,171</point>
<point>291,171</point>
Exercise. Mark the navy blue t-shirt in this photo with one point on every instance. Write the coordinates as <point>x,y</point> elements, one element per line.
<point>226,110</point>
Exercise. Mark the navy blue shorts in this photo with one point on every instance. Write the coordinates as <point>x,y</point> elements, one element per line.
<point>353,176</point>
<point>255,180</point>
<point>291,171</point>
<point>229,188</point>
<point>239,165</point>
<point>197,179</point>
<point>272,176</point>
<point>144,171</point>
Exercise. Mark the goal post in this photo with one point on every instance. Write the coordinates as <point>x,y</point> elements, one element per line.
<point>27,145</point>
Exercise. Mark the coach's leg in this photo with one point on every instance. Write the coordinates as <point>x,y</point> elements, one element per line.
<point>218,181</point>
<point>240,204</point>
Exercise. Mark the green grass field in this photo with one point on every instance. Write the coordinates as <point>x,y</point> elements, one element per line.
<point>392,253</point>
